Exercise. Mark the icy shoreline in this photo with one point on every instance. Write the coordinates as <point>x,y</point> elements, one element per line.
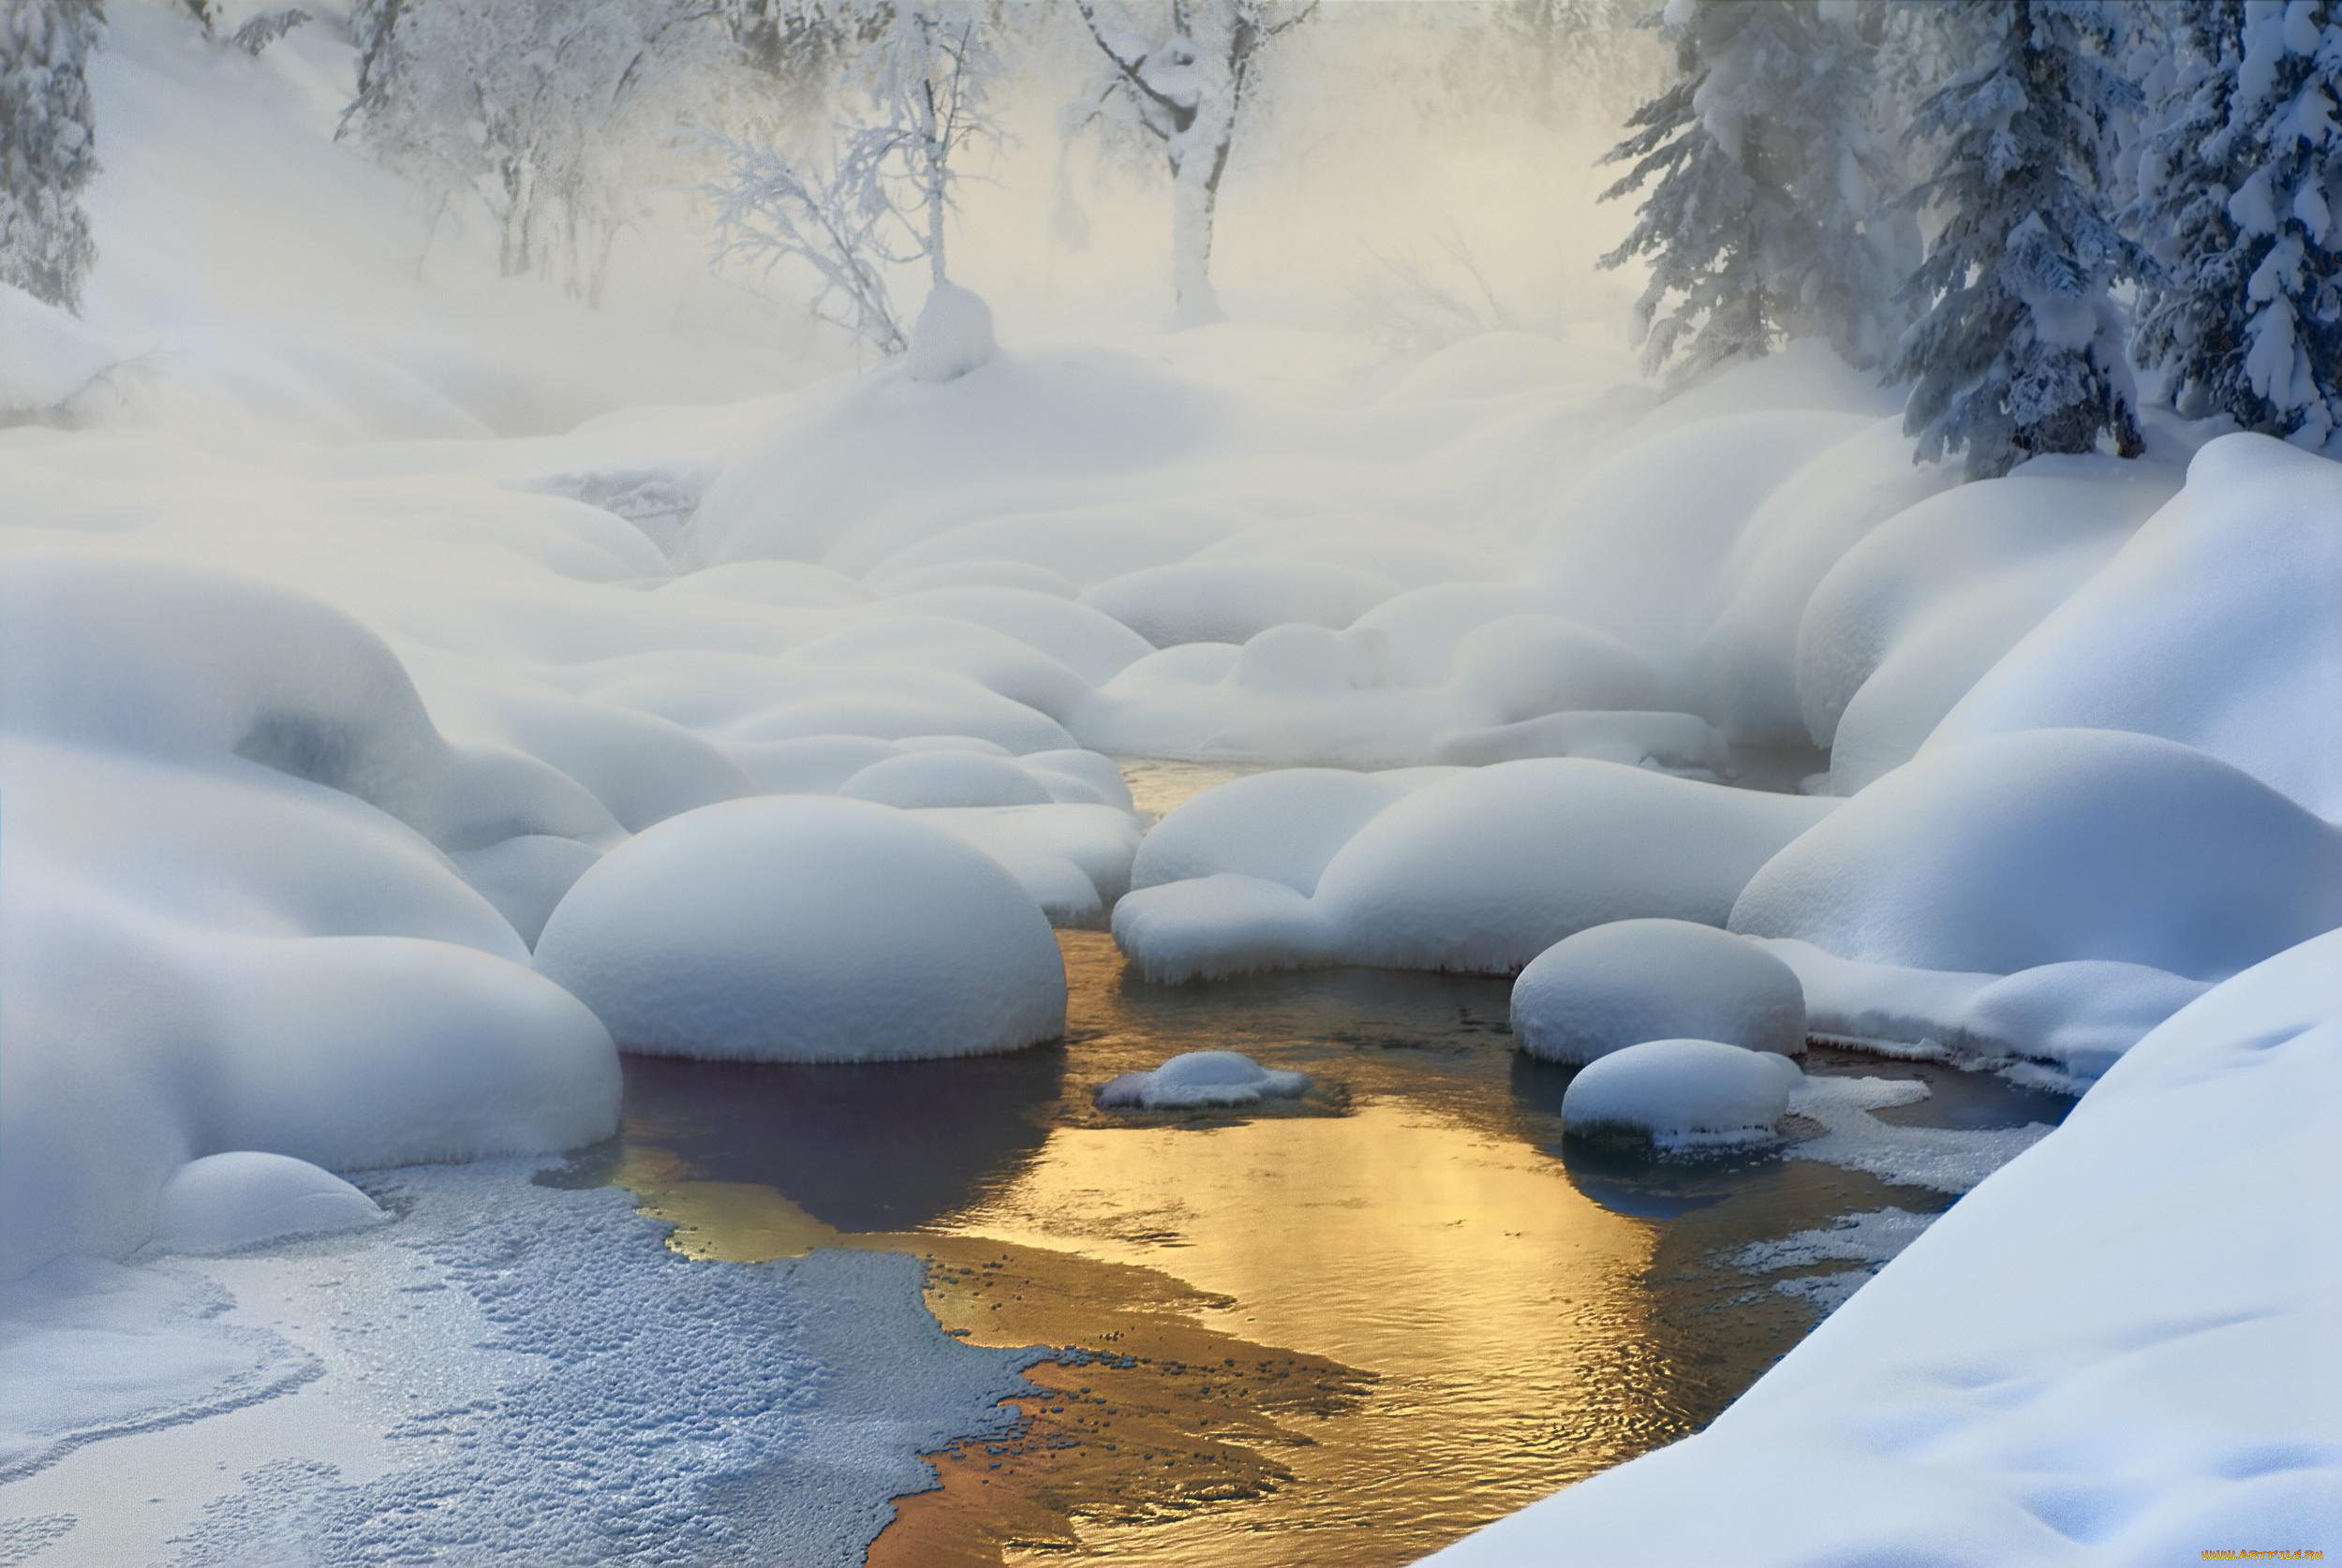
<point>510,1372</point>
<point>2118,1348</point>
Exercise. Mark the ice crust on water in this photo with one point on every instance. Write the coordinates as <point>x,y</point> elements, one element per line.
<point>1610,987</point>
<point>1682,1094</point>
<point>548,1382</point>
<point>806,929</point>
<point>1201,1078</point>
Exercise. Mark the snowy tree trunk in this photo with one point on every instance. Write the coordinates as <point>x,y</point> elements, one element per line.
<point>1195,199</point>
<point>937,172</point>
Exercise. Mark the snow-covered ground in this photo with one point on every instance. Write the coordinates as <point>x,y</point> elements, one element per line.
<point>406,702</point>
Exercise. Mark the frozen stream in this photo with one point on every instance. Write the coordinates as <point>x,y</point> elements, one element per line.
<point>1343,1331</point>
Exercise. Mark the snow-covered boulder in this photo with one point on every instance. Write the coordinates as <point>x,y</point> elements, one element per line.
<point>1477,870</point>
<point>2218,625</point>
<point>806,929</point>
<point>1611,986</point>
<point>931,779</point>
<point>1284,825</point>
<point>1200,1078</point>
<point>1485,869</point>
<point>952,336</point>
<point>1682,1094</point>
<point>223,1202</point>
<point>1208,927</point>
<point>2050,845</point>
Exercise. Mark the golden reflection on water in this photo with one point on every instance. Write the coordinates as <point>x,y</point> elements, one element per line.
<point>1342,1333</point>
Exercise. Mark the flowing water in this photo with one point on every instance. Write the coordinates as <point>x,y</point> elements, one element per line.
<point>1343,1331</point>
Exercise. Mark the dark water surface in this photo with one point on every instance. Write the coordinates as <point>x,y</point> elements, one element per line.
<point>1340,1332</point>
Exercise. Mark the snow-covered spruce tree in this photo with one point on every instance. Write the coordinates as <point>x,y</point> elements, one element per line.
<point>1184,87</point>
<point>2243,188</point>
<point>2020,349</point>
<point>1764,214</point>
<point>1846,179</point>
<point>48,146</point>
<point>2189,323</point>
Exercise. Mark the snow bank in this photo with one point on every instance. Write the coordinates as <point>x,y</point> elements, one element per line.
<point>223,1202</point>
<point>138,1042</point>
<point>1478,870</point>
<point>2218,625</point>
<point>47,357</point>
<point>2052,845</point>
<point>2115,1349</point>
<point>1201,1078</point>
<point>1637,545</point>
<point>1912,616</point>
<point>1682,1094</point>
<point>807,930</point>
<point>1611,986</point>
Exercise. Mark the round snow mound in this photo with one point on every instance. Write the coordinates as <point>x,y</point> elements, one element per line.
<point>1682,1094</point>
<point>224,1202</point>
<point>1611,986</point>
<point>953,335</point>
<point>806,929</point>
<point>1203,1078</point>
<point>2048,846</point>
<point>932,779</point>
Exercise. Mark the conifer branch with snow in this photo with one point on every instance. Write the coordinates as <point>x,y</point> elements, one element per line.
<point>2020,351</point>
<point>48,147</point>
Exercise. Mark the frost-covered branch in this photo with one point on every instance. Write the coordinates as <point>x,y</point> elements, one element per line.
<point>883,195</point>
<point>839,224</point>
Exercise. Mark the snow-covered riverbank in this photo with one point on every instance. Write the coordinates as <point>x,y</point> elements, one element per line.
<point>2116,1350</point>
<point>376,767</point>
